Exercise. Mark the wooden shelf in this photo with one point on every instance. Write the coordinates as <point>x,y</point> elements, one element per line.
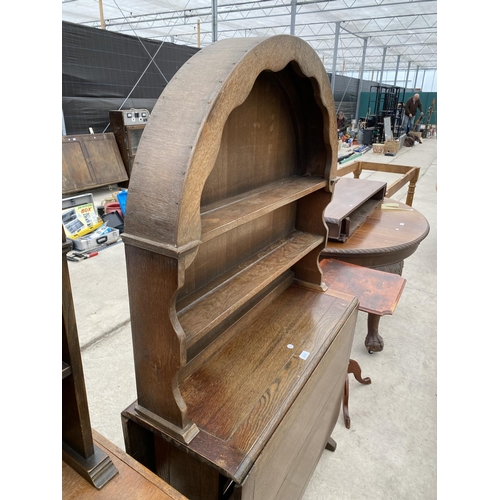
<point>203,315</point>
<point>235,399</point>
<point>219,218</point>
<point>240,356</point>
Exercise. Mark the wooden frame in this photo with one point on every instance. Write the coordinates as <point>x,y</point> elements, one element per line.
<point>133,479</point>
<point>409,176</point>
<point>128,135</point>
<point>78,448</point>
<point>240,357</point>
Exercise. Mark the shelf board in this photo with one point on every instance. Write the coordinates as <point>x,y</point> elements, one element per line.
<point>201,316</point>
<point>239,395</point>
<point>218,218</point>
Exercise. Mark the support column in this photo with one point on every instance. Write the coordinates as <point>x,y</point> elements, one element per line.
<point>101,15</point>
<point>397,71</point>
<point>423,79</point>
<point>214,20</point>
<point>63,124</point>
<point>292,20</point>
<point>416,77</point>
<point>382,69</point>
<point>365,44</point>
<point>407,75</point>
<point>335,53</point>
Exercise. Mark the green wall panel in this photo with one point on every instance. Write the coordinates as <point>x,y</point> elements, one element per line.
<point>425,97</point>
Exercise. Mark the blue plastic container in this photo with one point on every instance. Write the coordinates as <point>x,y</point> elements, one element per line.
<point>122,200</point>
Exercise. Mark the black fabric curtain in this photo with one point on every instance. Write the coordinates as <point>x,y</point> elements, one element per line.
<point>103,71</point>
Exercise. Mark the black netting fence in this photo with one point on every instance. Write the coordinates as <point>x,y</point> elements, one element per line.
<point>103,71</point>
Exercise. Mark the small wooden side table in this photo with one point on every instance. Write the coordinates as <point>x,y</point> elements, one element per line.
<point>388,236</point>
<point>378,294</point>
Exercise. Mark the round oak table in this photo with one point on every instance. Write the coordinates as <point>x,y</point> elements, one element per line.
<point>391,234</point>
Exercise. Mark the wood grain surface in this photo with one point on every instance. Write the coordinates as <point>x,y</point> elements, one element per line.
<point>133,481</point>
<point>378,292</point>
<point>388,236</point>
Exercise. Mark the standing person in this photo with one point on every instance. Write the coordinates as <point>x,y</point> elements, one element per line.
<point>341,123</point>
<point>411,106</point>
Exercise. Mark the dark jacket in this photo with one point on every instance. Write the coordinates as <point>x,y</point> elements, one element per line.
<point>341,124</point>
<point>411,107</point>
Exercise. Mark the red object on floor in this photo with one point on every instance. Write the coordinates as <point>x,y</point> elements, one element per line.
<point>113,207</point>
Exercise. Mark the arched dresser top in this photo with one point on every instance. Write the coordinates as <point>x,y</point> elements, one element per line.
<point>180,143</point>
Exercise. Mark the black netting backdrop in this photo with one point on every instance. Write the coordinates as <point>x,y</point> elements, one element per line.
<point>345,94</point>
<point>103,71</point>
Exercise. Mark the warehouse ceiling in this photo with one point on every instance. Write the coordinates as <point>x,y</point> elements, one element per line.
<point>384,34</point>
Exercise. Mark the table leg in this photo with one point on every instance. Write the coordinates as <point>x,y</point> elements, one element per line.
<point>355,369</point>
<point>345,403</point>
<point>331,445</point>
<point>373,341</point>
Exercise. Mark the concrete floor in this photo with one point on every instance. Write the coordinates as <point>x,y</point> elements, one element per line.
<point>389,453</point>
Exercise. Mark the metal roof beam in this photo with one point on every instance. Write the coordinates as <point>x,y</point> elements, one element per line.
<point>397,29</point>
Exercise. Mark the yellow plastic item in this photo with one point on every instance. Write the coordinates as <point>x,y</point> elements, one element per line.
<point>80,220</point>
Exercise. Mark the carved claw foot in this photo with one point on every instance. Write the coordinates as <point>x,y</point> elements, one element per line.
<point>374,343</point>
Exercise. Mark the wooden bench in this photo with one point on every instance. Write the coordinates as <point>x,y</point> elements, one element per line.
<point>407,175</point>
